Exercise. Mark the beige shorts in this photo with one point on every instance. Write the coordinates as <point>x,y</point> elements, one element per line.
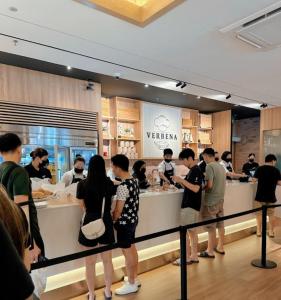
<point>212,212</point>
<point>189,216</point>
<point>270,211</point>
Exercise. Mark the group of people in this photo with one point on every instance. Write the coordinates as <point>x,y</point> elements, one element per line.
<point>203,199</point>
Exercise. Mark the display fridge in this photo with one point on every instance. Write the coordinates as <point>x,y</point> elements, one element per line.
<point>62,145</point>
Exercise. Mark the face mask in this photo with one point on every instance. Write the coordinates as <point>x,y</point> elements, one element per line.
<point>44,163</point>
<point>78,171</point>
<point>167,160</point>
<point>251,160</point>
<point>228,160</point>
<point>217,159</point>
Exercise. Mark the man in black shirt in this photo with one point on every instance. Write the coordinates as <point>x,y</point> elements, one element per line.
<point>249,168</point>
<point>268,177</point>
<point>191,202</point>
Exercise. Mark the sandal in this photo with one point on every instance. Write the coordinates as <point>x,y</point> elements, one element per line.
<point>219,252</point>
<point>271,235</point>
<point>205,254</point>
<point>177,262</point>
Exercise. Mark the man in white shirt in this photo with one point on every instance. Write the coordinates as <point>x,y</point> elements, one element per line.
<point>167,167</point>
<point>76,174</point>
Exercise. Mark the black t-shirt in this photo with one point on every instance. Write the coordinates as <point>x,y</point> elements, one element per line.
<point>93,200</point>
<point>202,166</point>
<point>16,283</point>
<point>268,177</point>
<point>33,173</point>
<point>250,168</point>
<point>191,199</point>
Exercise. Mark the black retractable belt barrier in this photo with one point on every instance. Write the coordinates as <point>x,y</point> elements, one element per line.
<point>183,230</point>
<point>263,262</point>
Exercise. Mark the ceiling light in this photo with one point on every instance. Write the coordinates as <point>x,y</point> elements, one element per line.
<point>228,97</point>
<point>184,85</point>
<point>263,105</point>
<point>146,85</point>
<point>198,97</point>
<point>178,84</point>
<point>13,9</point>
<point>69,67</point>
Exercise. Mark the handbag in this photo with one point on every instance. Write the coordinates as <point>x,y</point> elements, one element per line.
<point>94,229</point>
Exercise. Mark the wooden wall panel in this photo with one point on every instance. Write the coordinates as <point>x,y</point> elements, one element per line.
<point>222,131</point>
<point>270,119</point>
<point>34,87</point>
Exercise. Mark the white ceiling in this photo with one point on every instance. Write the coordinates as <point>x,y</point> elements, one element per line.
<point>184,44</point>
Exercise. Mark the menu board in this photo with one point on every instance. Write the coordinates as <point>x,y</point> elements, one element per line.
<point>161,129</point>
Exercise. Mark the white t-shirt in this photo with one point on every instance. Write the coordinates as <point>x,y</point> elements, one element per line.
<point>226,165</point>
<point>164,166</point>
<point>68,177</point>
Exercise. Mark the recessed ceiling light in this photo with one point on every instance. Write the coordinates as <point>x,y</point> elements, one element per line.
<point>69,67</point>
<point>146,85</point>
<point>13,9</point>
<point>198,97</point>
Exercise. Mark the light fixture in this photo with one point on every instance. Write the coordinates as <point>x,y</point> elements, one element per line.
<point>198,97</point>
<point>90,85</point>
<point>146,85</point>
<point>69,68</point>
<point>263,105</point>
<point>13,9</point>
<point>184,85</point>
<point>178,84</point>
<point>228,96</point>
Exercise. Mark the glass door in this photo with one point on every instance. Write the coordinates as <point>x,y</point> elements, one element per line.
<point>62,161</point>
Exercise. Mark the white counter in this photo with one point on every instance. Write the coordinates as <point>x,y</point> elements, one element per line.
<point>158,211</point>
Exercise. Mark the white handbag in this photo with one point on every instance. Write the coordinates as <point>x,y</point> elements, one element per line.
<point>94,229</point>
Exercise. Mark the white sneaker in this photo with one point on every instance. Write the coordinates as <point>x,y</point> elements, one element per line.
<point>126,289</point>
<point>137,281</point>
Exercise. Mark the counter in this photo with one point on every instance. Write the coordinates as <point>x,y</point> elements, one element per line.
<point>59,225</point>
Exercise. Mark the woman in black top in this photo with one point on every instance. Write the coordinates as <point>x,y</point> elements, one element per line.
<point>36,169</point>
<point>96,187</point>
<point>139,169</point>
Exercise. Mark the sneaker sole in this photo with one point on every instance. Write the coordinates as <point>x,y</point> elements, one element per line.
<point>126,294</point>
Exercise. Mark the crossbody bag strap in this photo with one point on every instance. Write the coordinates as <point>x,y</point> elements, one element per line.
<point>103,205</point>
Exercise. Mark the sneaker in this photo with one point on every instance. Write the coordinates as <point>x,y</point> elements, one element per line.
<point>137,281</point>
<point>127,288</point>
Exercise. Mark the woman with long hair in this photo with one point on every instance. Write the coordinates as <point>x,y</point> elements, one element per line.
<point>14,245</point>
<point>92,191</point>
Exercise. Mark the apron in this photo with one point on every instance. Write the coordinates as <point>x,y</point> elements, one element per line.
<point>230,169</point>
<point>75,180</point>
<point>168,174</point>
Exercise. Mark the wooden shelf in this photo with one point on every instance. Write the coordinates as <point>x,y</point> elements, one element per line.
<point>123,120</point>
<point>189,127</point>
<point>205,144</point>
<point>190,143</point>
<point>107,138</point>
<point>205,129</point>
<point>107,118</point>
<point>127,139</point>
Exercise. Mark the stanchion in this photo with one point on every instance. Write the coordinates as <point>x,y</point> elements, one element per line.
<point>263,262</point>
<point>183,264</point>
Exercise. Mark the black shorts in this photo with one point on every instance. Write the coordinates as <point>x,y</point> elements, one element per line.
<point>106,239</point>
<point>125,235</point>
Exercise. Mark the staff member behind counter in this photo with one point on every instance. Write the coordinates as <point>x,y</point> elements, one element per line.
<point>37,167</point>
<point>226,162</point>
<point>77,173</point>
<point>250,167</point>
<point>167,167</point>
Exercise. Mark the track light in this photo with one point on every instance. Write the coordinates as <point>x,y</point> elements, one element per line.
<point>146,85</point>
<point>228,97</point>
<point>263,105</point>
<point>179,84</point>
<point>184,85</point>
<point>69,68</point>
<point>198,97</point>
<point>90,85</point>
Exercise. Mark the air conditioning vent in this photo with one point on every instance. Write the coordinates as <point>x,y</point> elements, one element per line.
<point>261,30</point>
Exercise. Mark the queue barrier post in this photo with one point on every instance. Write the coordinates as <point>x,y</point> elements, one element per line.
<point>263,262</point>
<point>183,266</point>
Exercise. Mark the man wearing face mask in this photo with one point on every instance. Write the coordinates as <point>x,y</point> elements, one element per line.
<point>217,156</point>
<point>139,169</point>
<point>249,168</point>
<point>226,162</point>
<point>167,167</point>
<point>76,174</point>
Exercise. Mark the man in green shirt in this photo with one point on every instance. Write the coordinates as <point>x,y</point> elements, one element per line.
<point>17,183</point>
<point>213,203</point>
